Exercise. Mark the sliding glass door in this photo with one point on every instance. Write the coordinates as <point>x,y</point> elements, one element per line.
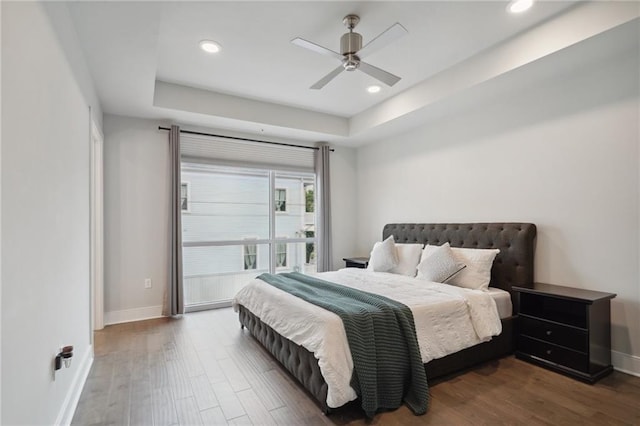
<point>238,223</point>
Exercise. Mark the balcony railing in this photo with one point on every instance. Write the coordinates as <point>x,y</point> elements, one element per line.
<point>220,289</point>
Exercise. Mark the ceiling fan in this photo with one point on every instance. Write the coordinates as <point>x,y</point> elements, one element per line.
<point>352,52</point>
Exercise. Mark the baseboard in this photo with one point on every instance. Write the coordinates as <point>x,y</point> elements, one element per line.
<point>129,315</point>
<point>70,403</point>
<point>626,363</point>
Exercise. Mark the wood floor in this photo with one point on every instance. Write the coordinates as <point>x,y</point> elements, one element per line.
<point>203,370</point>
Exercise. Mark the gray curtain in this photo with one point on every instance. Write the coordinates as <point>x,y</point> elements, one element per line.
<point>174,300</point>
<point>323,208</point>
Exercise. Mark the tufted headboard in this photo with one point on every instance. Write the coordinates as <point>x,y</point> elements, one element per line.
<point>516,241</point>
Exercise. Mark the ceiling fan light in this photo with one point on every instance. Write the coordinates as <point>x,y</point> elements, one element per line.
<point>351,63</point>
<point>210,46</point>
<point>519,6</point>
<point>373,89</point>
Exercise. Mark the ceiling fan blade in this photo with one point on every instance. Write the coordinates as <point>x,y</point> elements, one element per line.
<point>316,48</point>
<point>391,34</point>
<point>381,75</point>
<point>327,78</point>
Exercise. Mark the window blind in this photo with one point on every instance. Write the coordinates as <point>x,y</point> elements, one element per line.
<point>211,149</point>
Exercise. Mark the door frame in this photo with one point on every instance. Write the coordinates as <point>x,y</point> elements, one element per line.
<point>97,228</point>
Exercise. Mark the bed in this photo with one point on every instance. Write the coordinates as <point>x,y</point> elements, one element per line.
<point>513,266</point>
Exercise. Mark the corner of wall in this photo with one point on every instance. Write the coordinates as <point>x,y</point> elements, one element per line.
<point>64,29</point>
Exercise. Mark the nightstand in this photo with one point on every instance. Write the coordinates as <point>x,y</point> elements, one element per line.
<point>356,262</point>
<point>565,329</point>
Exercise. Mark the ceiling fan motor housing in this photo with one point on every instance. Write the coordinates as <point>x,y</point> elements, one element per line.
<point>350,43</point>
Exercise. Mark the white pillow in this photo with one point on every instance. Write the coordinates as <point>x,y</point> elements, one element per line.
<point>440,265</point>
<point>408,258</point>
<point>426,252</point>
<point>383,256</point>
<point>477,274</point>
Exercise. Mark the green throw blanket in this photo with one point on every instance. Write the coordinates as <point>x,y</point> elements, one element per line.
<point>382,338</point>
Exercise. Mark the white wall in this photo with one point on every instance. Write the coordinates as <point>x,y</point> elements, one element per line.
<point>136,199</point>
<point>45,220</point>
<point>136,214</point>
<point>0,222</point>
<point>556,144</point>
<point>344,201</point>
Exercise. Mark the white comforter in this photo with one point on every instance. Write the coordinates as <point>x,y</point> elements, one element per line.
<point>447,319</point>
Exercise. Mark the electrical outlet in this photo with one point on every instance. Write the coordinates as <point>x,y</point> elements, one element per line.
<point>147,283</point>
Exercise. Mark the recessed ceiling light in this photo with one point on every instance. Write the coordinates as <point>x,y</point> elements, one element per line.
<point>518,6</point>
<point>210,46</point>
<point>373,89</point>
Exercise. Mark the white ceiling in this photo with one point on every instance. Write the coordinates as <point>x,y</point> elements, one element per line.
<point>145,60</point>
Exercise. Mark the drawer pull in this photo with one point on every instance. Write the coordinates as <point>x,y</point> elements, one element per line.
<point>548,351</point>
<point>548,332</point>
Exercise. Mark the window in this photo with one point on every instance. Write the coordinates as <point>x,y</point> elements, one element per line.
<point>281,255</point>
<point>250,256</point>
<point>235,232</point>
<point>281,199</point>
<point>184,197</point>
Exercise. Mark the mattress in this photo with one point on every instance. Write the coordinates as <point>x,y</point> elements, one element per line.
<point>503,301</point>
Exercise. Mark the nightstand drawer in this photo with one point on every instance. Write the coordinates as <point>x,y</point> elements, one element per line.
<point>570,337</point>
<point>554,309</point>
<point>554,353</point>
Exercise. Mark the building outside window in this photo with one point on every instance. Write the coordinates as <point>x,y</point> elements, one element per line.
<point>250,256</point>
<point>281,199</point>
<point>281,255</point>
<point>184,197</point>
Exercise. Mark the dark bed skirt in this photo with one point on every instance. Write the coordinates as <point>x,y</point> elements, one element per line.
<point>304,366</point>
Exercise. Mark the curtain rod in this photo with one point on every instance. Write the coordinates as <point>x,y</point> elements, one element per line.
<point>190,132</point>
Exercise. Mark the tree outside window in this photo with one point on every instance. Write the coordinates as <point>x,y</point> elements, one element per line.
<point>309,198</point>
